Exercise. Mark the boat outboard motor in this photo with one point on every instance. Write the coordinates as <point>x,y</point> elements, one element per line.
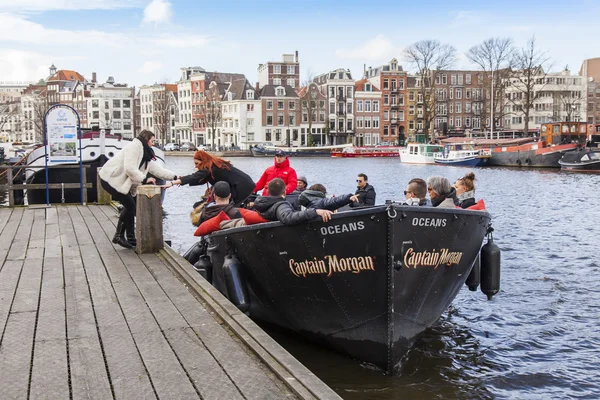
<point>490,268</point>
<point>194,252</point>
<point>204,267</point>
<point>237,291</point>
<point>474,277</point>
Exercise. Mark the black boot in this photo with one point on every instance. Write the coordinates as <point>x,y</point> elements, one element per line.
<point>130,234</point>
<point>119,237</point>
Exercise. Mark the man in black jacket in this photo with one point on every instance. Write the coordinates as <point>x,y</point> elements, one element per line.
<point>315,197</point>
<point>365,192</point>
<point>222,194</point>
<point>276,208</point>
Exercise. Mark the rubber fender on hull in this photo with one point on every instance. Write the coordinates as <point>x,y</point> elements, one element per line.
<point>237,291</point>
<point>519,163</point>
<point>490,269</point>
<point>204,267</point>
<point>474,277</point>
<point>193,254</point>
<point>527,161</point>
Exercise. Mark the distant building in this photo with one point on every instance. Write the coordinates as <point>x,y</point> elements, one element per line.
<point>391,80</point>
<point>558,97</point>
<point>280,114</point>
<point>314,109</point>
<point>68,87</point>
<point>110,107</point>
<point>160,111</point>
<point>12,127</point>
<point>286,72</point>
<point>34,104</point>
<point>241,112</point>
<point>367,105</point>
<point>184,131</point>
<point>339,86</point>
<point>590,72</point>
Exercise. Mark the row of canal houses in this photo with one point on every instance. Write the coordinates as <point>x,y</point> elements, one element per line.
<point>385,105</point>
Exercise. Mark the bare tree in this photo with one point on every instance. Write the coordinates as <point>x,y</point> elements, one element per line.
<point>8,111</point>
<point>164,103</point>
<point>527,78</point>
<point>429,57</point>
<point>210,107</point>
<point>33,115</point>
<point>493,57</point>
<point>313,104</point>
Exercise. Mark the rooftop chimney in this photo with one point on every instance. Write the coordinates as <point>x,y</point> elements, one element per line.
<point>93,77</point>
<point>296,55</point>
<point>257,88</point>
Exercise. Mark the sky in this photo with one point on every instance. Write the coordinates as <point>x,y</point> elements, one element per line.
<point>147,41</point>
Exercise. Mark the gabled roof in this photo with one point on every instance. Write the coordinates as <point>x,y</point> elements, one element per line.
<point>239,88</point>
<point>66,75</point>
<point>360,85</point>
<point>270,91</point>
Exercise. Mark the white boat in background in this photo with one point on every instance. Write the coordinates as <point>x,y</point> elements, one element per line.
<point>463,154</point>
<point>420,153</point>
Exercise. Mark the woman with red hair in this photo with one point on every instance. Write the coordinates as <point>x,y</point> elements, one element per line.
<point>212,169</point>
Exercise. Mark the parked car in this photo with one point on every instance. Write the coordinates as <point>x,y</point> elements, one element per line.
<point>188,147</point>
<point>172,147</point>
<point>201,147</point>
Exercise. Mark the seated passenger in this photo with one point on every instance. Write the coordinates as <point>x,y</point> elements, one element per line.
<point>416,193</point>
<point>366,193</point>
<point>301,186</point>
<point>442,194</point>
<point>222,195</point>
<point>275,208</point>
<point>465,191</point>
<point>314,197</point>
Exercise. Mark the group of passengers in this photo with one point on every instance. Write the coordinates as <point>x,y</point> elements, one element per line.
<point>233,197</point>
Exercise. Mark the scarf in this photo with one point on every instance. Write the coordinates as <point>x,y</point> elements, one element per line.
<point>438,200</point>
<point>466,195</point>
<point>148,153</point>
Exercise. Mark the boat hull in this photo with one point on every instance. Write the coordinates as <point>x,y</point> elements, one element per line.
<point>366,284</point>
<point>545,157</point>
<point>465,162</point>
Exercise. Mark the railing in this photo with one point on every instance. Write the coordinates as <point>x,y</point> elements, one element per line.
<point>11,187</point>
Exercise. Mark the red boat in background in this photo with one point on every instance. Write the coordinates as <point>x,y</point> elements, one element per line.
<point>353,152</point>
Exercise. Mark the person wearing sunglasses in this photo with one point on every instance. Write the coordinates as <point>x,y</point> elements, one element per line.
<point>416,193</point>
<point>365,192</point>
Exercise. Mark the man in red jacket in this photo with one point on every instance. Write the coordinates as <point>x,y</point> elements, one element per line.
<point>281,169</point>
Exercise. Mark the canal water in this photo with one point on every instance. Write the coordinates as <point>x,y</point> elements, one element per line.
<point>537,339</point>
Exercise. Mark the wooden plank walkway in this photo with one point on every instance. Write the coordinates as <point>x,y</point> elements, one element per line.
<point>81,318</point>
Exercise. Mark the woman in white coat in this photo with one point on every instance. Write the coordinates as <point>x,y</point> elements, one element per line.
<point>122,174</point>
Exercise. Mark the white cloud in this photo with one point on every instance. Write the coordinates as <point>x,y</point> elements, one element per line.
<point>467,18</point>
<point>380,48</point>
<point>47,5</point>
<point>157,12</point>
<point>149,67</point>
<point>19,65</point>
<point>17,29</point>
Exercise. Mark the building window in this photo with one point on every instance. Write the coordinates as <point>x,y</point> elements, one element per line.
<point>94,103</point>
<point>280,105</point>
<point>386,130</point>
<point>367,106</point>
<point>277,69</point>
<point>292,119</point>
<point>291,82</point>
<point>269,119</point>
<point>96,114</point>
<point>460,79</point>
<point>117,114</point>
<point>268,135</point>
<point>359,122</point>
<point>386,115</point>
<point>249,107</point>
<point>386,84</point>
<point>277,135</point>
<point>276,81</point>
<point>126,114</point>
<point>386,99</point>
<point>468,79</point>
<point>291,69</point>
<point>280,119</point>
<point>117,103</point>
<point>292,105</point>
<point>453,79</point>
<point>376,122</point>
<point>280,91</point>
<point>411,96</point>
<point>375,106</point>
<point>269,104</point>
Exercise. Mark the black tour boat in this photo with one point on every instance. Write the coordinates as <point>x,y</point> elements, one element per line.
<point>581,161</point>
<point>366,284</point>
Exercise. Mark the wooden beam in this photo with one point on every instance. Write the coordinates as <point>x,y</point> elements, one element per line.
<point>149,227</point>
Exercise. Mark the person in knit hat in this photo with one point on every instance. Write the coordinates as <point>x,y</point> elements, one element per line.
<point>211,169</point>
<point>302,184</point>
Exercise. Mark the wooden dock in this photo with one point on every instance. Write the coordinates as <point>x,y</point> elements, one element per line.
<point>81,318</point>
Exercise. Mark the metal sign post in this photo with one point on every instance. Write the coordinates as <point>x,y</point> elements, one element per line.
<point>62,133</point>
